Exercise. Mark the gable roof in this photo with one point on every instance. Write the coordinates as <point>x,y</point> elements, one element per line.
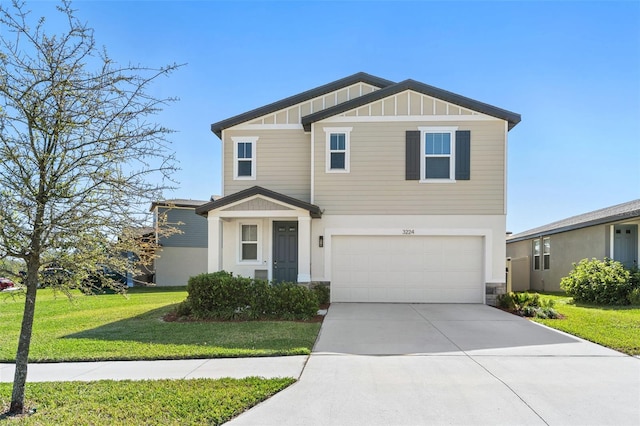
<point>218,127</point>
<point>314,211</point>
<point>511,117</point>
<point>611,214</point>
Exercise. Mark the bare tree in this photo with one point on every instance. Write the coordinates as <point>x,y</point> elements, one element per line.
<point>78,151</point>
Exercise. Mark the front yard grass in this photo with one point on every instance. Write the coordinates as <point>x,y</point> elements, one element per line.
<point>112,327</point>
<point>616,327</point>
<point>148,402</point>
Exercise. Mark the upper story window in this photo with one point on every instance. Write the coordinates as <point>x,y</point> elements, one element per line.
<point>536,254</point>
<point>244,157</point>
<point>438,153</point>
<point>546,253</point>
<point>337,149</point>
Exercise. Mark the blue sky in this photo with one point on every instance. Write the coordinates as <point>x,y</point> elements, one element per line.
<point>571,69</point>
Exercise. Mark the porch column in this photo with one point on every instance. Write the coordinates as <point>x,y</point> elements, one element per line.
<point>304,249</point>
<point>213,251</point>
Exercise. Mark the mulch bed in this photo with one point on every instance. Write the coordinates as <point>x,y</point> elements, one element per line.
<point>173,317</point>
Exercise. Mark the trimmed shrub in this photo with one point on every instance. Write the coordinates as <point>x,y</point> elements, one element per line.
<point>218,295</point>
<point>603,282</point>
<point>222,296</point>
<point>322,293</point>
<point>292,301</point>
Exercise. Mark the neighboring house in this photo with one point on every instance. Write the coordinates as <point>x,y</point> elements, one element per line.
<point>182,254</point>
<point>390,192</point>
<point>546,254</point>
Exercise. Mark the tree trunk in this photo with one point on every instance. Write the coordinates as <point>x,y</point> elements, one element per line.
<point>22,356</point>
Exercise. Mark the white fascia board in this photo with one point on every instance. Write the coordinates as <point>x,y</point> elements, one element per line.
<point>400,118</point>
<point>258,213</point>
<point>245,126</point>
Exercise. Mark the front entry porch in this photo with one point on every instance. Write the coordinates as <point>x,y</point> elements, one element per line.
<point>260,234</point>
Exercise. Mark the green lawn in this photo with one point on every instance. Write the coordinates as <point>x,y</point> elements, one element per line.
<point>113,327</point>
<point>149,402</point>
<point>617,327</point>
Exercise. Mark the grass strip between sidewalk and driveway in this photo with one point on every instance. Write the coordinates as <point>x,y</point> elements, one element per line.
<point>616,327</point>
<point>148,402</point>
<point>114,327</point>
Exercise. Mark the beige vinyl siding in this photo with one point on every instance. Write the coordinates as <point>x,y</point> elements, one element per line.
<point>376,183</point>
<point>566,248</point>
<point>283,160</point>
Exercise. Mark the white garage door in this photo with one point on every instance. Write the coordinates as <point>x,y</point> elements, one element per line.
<point>416,269</point>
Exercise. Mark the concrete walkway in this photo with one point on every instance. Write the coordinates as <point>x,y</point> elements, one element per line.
<point>270,367</point>
<point>400,364</point>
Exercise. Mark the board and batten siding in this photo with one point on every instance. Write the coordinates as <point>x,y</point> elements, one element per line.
<point>193,227</point>
<point>283,160</point>
<point>376,182</point>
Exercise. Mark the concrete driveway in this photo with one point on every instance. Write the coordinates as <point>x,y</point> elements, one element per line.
<point>424,364</point>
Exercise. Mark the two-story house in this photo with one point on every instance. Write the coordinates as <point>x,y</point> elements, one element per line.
<point>390,192</point>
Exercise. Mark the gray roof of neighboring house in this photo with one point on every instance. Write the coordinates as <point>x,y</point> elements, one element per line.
<point>177,202</point>
<point>387,88</point>
<point>314,211</point>
<point>218,127</point>
<point>617,213</point>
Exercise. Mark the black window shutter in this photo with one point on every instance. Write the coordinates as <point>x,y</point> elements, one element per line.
<point>463,155</point>
<point>412,155</point>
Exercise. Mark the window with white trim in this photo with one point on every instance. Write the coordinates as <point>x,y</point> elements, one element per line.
<point>337,149</point>
<point>249,233</point>
<point>437,151</point>
<point>244,157</point>
<point>546,253</point>
<point>536,254</point>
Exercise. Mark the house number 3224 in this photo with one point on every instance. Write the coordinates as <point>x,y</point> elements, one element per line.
<point>408,231</point>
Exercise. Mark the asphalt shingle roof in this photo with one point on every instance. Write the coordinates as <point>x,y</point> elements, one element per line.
<point>611,214</point>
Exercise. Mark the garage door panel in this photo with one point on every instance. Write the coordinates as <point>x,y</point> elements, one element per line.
<point>418,269</point>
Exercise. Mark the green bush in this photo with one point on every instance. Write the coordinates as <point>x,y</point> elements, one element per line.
<point>293,301</point>
<point>222,296</point>
<point>634,296</point>
<point>603,282</point>
<point>528,305</point>
<point>322,293</point>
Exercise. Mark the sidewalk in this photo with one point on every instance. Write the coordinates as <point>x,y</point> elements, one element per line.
<point>267,367</point>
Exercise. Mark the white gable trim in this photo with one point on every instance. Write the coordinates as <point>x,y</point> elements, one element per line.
<point>253,197</point>
<point>292,211</point>
<point>398,118</point>
<point>245,126</point>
